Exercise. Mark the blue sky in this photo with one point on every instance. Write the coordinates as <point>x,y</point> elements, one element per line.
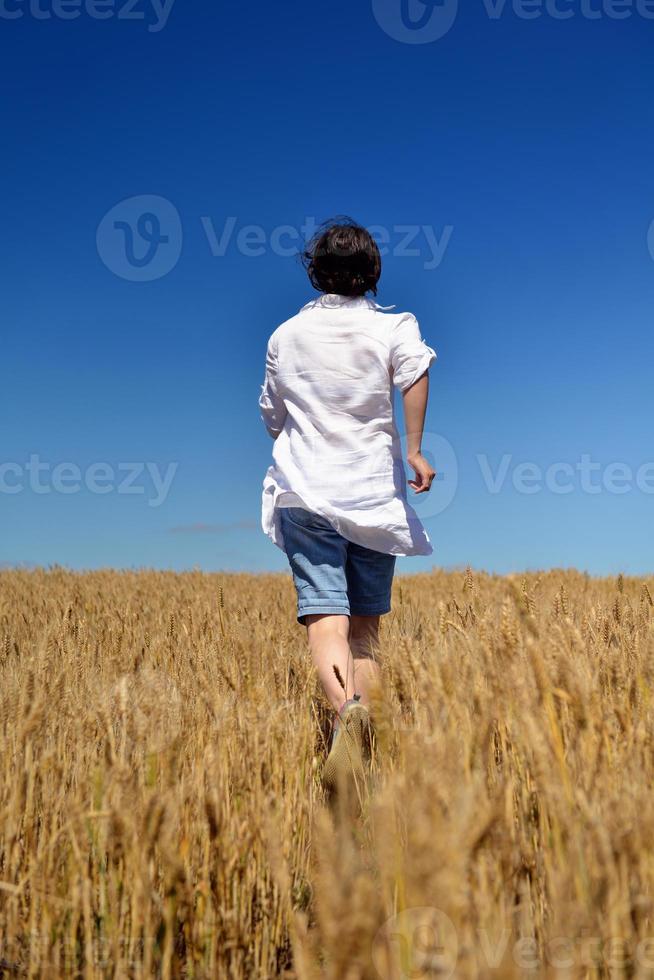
<point>521,146</point>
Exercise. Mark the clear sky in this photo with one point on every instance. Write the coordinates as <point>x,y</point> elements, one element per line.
<point>503,153</point>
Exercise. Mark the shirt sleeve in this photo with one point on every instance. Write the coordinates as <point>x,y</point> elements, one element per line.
<point>273,409</point>
<point>410,355</point>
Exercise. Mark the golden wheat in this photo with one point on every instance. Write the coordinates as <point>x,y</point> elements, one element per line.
<point>161,812</point>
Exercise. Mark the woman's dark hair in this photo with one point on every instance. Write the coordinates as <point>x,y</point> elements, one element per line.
<point>343,258</point>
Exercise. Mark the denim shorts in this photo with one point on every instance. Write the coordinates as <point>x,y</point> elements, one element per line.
<point>332,574</point>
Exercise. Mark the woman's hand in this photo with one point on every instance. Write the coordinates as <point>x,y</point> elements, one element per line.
<point>424,473</point>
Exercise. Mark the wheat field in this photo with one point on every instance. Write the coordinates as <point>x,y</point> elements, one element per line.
<point>162,814</point>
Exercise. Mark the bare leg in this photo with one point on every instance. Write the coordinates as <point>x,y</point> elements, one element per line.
<point>328,642</point>
<point>364,644</point>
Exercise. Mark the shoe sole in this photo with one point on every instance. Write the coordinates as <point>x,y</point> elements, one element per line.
<point>350,752</point>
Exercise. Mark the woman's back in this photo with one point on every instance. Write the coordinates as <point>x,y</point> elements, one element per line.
<point>328,400</point>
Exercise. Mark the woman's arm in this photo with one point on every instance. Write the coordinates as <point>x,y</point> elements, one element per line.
<point>410,360</point>
<point>273,409</point>
<point>415,406</point>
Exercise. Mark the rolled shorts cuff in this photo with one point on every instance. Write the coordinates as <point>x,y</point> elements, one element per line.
<point>378,606</point>
<point>315,605</point>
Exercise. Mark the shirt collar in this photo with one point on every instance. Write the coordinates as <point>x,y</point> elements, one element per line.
<point>334,301</point>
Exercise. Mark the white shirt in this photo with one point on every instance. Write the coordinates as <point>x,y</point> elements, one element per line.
<point>328,401</point>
